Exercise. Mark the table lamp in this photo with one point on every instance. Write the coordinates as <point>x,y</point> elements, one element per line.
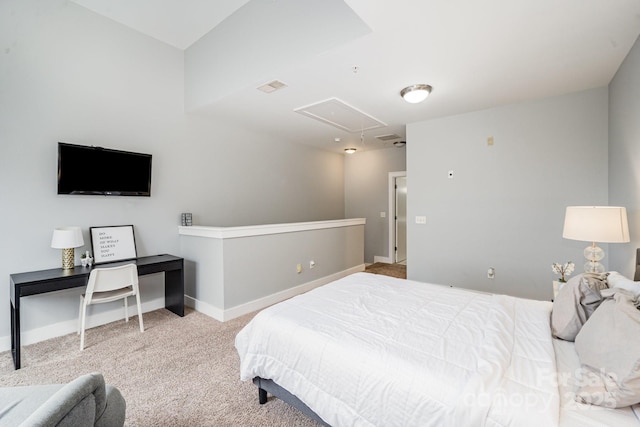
<point>602,224</point>
<point>67,238</point>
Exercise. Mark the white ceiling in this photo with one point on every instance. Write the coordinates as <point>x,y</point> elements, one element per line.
<point>475,54</point>
<point>175,22</point>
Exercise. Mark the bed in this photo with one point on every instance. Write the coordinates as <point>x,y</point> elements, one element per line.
<point>372,350</point>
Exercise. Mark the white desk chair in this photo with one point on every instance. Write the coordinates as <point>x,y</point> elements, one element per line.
<point>106,285</point>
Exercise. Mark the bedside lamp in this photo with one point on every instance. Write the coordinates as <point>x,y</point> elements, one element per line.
<point>67,238</point>
<point>602,224</point>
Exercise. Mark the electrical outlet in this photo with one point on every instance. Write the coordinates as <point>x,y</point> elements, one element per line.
<point>312,264</point>
<point>491,273</point>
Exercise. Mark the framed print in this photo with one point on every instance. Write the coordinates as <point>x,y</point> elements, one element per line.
<point>112,243</point>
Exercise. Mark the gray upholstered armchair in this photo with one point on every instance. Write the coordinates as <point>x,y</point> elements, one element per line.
<point>85,401</point>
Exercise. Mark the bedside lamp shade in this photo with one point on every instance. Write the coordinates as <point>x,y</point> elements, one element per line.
<point>602,224</point>
<point>67,238</point>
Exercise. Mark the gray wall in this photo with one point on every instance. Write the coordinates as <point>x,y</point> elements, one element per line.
<point>624,155</point>
<point>235,271</point>
<point>366,194</point>
<point>67,74</point>
<point>258,266</point>
<point>504,207</point>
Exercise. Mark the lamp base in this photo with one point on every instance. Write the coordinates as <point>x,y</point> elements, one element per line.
<point>593,254</point>
<point>593,267</point>
<point>68,258</point>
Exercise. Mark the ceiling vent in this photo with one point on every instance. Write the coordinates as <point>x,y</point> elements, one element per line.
<point>341,115</point>
<point>389,137</point>
<point>272,86</point>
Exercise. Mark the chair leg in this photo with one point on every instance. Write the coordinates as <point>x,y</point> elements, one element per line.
<point>139,312</point>
<point>126,309</point>
<point>80,314</point>
<point>82,326</point>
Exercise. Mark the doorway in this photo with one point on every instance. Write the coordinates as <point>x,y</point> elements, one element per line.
<point>401,220</point>
<point>398,217</point>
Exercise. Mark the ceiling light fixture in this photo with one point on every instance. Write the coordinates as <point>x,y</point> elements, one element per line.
<point>415,93</point>
<point>349,150</point>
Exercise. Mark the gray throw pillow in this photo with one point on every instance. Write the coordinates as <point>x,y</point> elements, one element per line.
<point>575,303</point>
<point>609,352</point>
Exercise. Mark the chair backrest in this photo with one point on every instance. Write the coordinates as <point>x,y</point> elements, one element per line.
<point>66,404</point>
<point>109,279</point>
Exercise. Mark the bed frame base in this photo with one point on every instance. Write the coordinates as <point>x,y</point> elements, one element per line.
<point>270,386</point>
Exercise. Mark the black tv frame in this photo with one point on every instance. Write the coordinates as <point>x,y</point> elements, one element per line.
<point>76,178</point>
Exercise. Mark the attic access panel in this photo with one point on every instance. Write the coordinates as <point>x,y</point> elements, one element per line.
<point>338,113</point>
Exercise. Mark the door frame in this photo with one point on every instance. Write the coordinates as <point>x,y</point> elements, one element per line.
<point>392,214</point>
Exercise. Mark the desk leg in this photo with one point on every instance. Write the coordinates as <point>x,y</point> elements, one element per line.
<point>15,335</point>
<point>174,291</point>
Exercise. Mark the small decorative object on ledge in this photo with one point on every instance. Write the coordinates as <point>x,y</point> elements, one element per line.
<point>187,219</point>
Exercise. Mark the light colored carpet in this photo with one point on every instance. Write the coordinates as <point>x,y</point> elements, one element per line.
<point>179,372</point>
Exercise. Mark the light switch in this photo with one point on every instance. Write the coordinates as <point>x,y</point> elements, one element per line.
<point>383,214</point>
<point>421,219</point>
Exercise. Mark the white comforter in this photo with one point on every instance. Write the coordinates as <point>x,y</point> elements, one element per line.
<point>371,350</point>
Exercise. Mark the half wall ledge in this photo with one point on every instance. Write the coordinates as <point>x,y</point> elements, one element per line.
<point>260,230</point>
<point>232,271</point>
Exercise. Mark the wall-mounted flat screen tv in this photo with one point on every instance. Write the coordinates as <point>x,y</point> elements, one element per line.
<point>102,171</point>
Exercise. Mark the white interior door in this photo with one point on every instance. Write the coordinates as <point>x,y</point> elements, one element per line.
<point>401,219</point>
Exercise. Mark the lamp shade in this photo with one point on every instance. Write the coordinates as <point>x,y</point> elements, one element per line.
<point>67,237</point>
<point>603,224</point>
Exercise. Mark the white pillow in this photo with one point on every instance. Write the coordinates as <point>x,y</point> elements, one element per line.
<point>617,280</point>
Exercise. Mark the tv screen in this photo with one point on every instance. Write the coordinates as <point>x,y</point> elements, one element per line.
<point>102,171</point>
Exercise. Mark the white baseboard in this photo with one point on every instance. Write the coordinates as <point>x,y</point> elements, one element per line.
<point>260,303</point>
<point>385,259</point>
<point>69,326</point>
<point>204,308</point>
